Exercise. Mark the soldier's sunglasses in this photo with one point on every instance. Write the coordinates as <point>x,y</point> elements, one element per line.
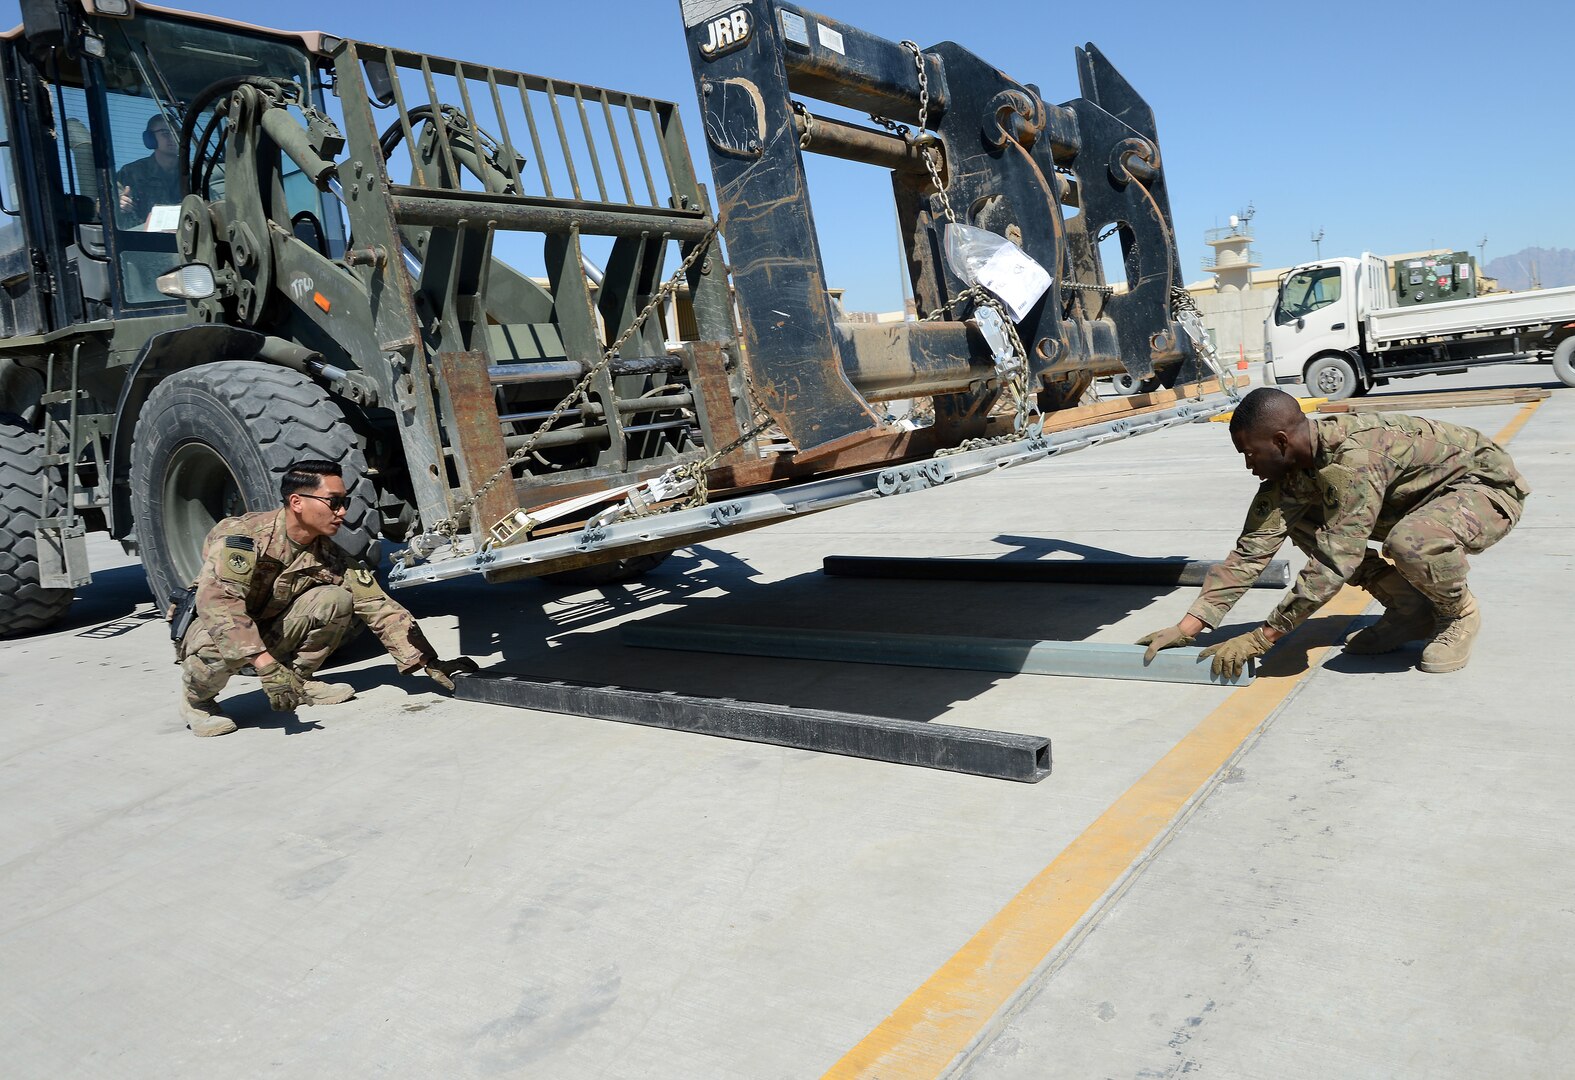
<point>335,503</point>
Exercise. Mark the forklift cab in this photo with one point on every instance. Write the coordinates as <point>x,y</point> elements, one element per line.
<point>93,168</point>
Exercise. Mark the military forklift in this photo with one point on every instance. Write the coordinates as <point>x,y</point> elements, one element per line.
<point>500,300</point>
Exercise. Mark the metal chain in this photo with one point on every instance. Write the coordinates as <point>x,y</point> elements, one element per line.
<point>900,130</point>
<point>449,526</point>
<point>927,148</point>
<point>1014,374</point>
<point>633,506</point>
<point>809,124</point>
<point>1190,317</point>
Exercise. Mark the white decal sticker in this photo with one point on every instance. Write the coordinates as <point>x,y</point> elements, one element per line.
<point>727,33</point>
<point>831,39</point>
<point>699,11</point>
<point>794,30</point>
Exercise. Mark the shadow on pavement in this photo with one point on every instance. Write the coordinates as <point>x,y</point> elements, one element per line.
<point>574,636</point>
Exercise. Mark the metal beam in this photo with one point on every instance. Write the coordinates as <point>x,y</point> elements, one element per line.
<point>998,754</point>
<point>1045,571</point>
<point>630,536</point>
<point>1078,659</point>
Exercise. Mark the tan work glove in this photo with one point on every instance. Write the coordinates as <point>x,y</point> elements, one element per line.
<point>284,688</point>
<point>1169,638</point>
<point>1230,657</point>
<point>442,672</point>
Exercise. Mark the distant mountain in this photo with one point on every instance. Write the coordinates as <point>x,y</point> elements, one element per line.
<point>1554,266</point>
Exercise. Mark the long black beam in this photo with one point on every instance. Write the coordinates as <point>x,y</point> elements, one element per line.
<point>998,754</point>
<point>1045,571</point>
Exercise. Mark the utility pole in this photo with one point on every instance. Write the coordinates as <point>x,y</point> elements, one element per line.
<point>1317,239</point>
<point>1482,253</point>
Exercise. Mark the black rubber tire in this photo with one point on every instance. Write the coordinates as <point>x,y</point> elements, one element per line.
<point>1564,361</point>
<point>1332,377</point>
<point>24,605</point>
<point>612,573</point>
<point>213,441</point>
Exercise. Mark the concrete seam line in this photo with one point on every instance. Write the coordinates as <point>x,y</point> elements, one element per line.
<point>941,1025</point>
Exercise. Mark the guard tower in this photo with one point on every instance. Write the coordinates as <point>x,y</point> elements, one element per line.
<point>1234,259</point>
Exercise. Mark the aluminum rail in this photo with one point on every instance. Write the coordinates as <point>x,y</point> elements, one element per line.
<point>666,531</point>
<point>1015,656</point>
<point>1000,755</point>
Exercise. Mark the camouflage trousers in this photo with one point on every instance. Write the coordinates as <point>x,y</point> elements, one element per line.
<point>1430,544</point>
<point>304,636</point>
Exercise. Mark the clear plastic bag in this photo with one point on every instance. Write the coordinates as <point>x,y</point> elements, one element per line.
<point>993,262</point>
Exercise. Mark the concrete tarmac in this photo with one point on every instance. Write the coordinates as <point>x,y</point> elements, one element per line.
<point>1376,884</point>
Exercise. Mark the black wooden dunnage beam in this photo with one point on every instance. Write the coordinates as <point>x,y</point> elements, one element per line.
<point>998,754</point>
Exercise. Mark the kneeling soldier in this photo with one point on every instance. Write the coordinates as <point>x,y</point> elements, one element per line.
<point>1431,492</point>
<point>275,592</point>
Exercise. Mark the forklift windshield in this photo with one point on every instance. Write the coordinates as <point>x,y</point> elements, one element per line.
<point>120,155</point>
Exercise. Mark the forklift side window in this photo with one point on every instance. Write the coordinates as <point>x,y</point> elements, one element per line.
<point>18,305</point>
<point>1306,292</point>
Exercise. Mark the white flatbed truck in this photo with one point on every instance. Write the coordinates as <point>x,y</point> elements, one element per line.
<point>1337,328</point>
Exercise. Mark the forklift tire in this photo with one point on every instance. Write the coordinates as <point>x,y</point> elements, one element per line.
<point>1564,361</point>
<point>212,442</point>
<point>1332,377</point>
<point>612,573</point>
<point>24,605</point>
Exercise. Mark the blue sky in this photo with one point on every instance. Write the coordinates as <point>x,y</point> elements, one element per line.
<point>1391,127</point>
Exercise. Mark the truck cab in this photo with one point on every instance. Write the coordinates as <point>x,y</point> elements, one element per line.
<point>1313,332</point>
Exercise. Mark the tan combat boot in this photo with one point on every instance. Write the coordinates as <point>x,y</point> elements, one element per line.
<point>205,718</point>
<point>1451,645</point>
<point>1408,616</point>
<point>326,693</point>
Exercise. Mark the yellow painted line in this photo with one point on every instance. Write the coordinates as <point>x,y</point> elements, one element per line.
<point>1513,427</point>
<point>940,1020</point>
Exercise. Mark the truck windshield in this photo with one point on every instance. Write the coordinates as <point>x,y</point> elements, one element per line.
<point>1305,291</point>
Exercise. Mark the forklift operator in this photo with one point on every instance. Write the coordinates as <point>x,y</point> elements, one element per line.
<point>153,180</point>
<point>1430,492</point>
<point>276,593</point>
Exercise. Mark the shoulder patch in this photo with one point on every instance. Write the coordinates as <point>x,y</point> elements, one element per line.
<point>1265,510</point>
<point>236,563</point>
<point>362,580</point>
<point>1335,480</point>
<point>244,542</point>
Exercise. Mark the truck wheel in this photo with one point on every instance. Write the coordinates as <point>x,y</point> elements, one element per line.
<point>24,605</point>
<point>612,573</point>
<point>1564,361</point>
<point>212,442</point>
<point>1332,377</point>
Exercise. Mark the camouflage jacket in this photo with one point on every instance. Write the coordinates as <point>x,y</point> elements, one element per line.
<point>252,572</point>
<point>1369,471</point>
<point>150,186</point>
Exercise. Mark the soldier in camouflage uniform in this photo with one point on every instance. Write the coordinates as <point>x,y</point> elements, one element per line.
<point>1431,492</point>
<point>276,593</point>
